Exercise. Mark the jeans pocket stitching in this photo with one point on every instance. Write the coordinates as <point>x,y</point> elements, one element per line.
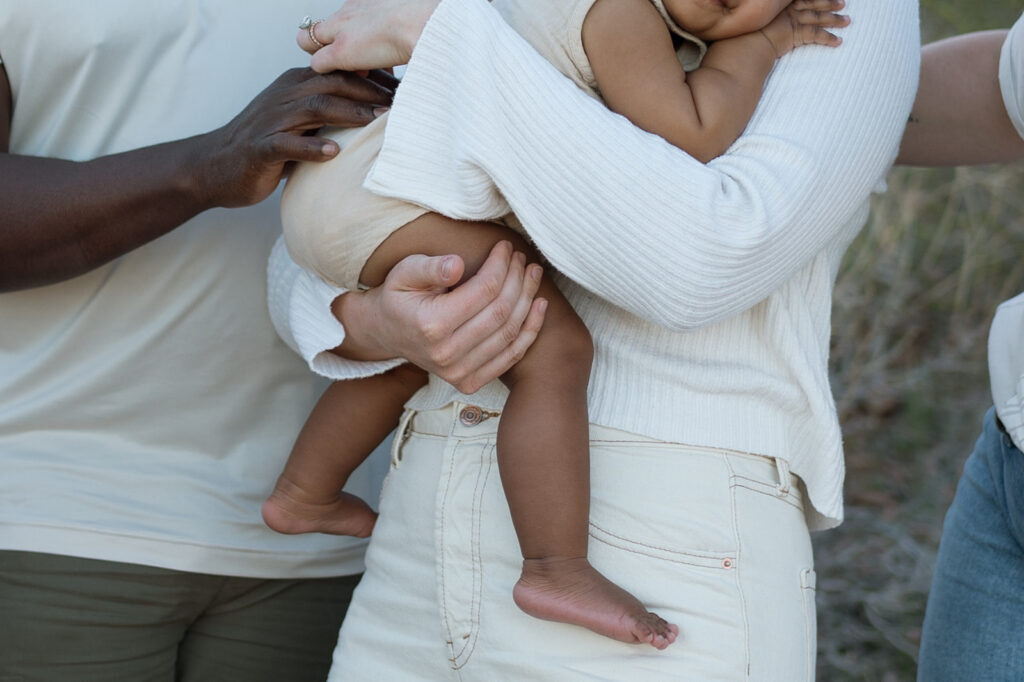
<point>693,558</point>
<point>767,490</point>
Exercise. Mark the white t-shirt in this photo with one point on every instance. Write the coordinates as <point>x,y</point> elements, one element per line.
<point>147,407</point>
<point>1006,337</point>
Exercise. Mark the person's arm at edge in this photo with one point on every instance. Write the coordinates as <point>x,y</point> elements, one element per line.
<point>63,218</point>
<point>6,111</point>
<point>959,117</point>
<point>701,242</point>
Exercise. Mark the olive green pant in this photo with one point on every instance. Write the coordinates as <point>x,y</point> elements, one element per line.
<point>80,620</point>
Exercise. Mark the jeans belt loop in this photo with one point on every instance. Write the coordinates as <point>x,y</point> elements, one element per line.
<point>784,482</point>
<point>401,435</point>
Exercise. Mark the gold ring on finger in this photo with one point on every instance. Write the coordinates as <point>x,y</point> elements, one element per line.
<point>310,26</point>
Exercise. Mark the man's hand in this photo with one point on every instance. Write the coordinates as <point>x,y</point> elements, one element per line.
<point>468,336</point>
<point>113,204</point>
<point>244,160</point>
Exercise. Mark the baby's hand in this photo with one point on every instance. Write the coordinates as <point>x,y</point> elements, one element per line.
<point>805,22</point>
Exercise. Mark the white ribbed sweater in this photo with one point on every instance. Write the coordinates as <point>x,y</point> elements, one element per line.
<point>707,289</point>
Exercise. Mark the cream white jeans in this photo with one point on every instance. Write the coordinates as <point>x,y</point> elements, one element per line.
<point>712,540</point>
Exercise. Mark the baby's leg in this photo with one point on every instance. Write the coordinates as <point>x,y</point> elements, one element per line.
<point>543,447</point>
<point>348,422</point>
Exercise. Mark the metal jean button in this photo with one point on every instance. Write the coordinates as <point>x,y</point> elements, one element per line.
<point>471,415</point>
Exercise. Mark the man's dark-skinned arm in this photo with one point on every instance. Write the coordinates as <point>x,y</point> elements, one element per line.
<point>60,219</point>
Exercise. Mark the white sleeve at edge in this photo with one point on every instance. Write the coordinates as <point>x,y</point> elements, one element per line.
<point>1011,75</point>
<point>300,309</point>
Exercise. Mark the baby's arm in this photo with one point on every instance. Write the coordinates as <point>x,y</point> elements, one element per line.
<point>630,50</point>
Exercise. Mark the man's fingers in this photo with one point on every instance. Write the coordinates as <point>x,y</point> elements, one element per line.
<point>327,110</point>
<point>349,85</point>
<point>338,99</point>
<point>283,147</point>
<point>384,78</point>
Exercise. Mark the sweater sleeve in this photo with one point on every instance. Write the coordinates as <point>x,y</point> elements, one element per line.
<point>1011,74</point>
<point>299,303</point>
<point>482,124</point>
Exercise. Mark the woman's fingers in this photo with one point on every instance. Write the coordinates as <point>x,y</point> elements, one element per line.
<point>366,34</point>
<point>498,335</point>
<point>312,35</point>
<point>468,336</point>
<point>511,353</point>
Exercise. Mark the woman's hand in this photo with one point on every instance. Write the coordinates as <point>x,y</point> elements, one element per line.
<point>367,34</point>
<point>468,336</point>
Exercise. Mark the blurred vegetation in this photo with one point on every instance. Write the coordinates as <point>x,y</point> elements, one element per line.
<point>914,300</point>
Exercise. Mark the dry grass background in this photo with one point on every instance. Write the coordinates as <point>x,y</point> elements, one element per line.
<point>914,299</point>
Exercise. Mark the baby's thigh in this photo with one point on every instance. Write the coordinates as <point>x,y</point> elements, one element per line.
<point>331,223</point>
<point>433,234</point>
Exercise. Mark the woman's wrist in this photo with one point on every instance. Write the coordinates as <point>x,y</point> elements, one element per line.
<point>356,312</point>
<point>414,22</point>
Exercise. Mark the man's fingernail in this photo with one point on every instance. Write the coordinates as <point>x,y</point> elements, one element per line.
<point>446,268</point>
<point>380,111</point>
<point>536,271</point>
<point>328,149</point>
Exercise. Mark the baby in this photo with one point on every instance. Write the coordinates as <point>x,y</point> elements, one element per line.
<point>633,56</point>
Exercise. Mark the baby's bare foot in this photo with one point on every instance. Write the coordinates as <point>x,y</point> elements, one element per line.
<point>290,510</point>
<point>573,591</point>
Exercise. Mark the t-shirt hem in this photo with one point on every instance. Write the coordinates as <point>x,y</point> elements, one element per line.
<point>180,555</point>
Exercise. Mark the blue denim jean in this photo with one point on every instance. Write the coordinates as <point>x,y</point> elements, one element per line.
<point>974,622</point>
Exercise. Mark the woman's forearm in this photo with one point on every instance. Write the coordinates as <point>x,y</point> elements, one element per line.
<point>624,213</point>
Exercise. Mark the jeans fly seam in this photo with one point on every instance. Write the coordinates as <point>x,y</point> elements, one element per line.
<point>477,565</point>
<point>441,540</point>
